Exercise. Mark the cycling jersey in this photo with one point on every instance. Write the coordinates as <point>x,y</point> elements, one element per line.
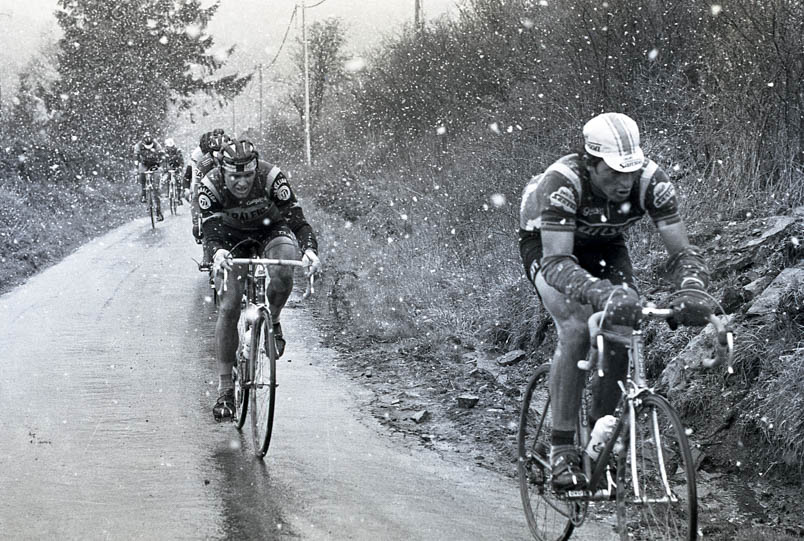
<point>174,158</point>
<point>271,203</point>
<point>563,199</point>
<point>148,156</point>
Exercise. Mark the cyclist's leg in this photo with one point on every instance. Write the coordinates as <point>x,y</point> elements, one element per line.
<point>566,380</point>
<point>226,338</point>
<point>618,270</point>
<point>281,245</point>
<point>157,186</point>
<point>141,176</point>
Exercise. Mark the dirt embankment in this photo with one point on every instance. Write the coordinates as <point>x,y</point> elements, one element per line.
<point>416,385</point>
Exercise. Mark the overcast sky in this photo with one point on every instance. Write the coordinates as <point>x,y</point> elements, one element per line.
<point>255,26</point>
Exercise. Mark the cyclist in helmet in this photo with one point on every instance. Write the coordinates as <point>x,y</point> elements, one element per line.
<point>572,222</point>
<point>149,155</point>
<point>247,198</point>
<point>204,158</point>
<point>174,161</point>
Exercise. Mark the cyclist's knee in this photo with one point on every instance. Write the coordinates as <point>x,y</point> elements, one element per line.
<point>228,307</point>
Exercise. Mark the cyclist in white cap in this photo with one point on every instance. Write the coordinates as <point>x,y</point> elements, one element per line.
<point>572,223</point>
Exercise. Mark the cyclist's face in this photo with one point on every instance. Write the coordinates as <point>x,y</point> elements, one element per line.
<point>616,186</point>
<point>240,183</point>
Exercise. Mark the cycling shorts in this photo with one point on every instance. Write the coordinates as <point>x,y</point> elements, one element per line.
<point>266,239</point>
<point>606,260</point>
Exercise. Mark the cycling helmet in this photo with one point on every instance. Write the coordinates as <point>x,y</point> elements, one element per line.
<point>169,143</point>
<point>215,143</point>
<point>217,131</point>
<point>239,157</point>
<point>147,139</point>
<point>203,144</point>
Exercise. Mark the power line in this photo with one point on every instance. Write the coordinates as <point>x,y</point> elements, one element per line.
<point>287,31</point>
<point>316,5</point>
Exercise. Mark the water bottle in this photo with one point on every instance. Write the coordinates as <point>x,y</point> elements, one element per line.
<point>601,433</point>
<point>247,343</point>
<point>259,283</point>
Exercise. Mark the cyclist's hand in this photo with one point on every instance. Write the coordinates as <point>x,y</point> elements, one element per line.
<point>187,194</point>
<point>692,308</point>
<point>310,258</point>
<point>623,307</point>
<point>222,261</point>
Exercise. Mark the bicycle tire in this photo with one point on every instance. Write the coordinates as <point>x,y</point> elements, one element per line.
<point>548,517</point>
<point>262,394</point>
<point>151,209</point>
<point>240,375</point>
<point>172,203</point>
<point>644,518</point>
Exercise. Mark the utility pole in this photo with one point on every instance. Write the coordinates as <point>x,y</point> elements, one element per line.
<point>306,89</point>
<point>234,132</point>
<point>261,134</point>
<point>417,16</point>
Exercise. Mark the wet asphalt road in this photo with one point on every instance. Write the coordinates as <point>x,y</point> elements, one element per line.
<point>107,382</point>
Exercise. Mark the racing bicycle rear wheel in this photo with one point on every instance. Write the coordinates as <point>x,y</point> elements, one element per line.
<point>262,394</point>
<point>549,518</point>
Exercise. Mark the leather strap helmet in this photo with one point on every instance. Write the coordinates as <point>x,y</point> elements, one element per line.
<point>238,157</point>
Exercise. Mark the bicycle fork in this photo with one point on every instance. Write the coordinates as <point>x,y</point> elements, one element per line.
<point>633,401</point>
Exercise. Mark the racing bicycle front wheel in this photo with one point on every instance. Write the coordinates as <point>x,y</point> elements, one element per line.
<point>656,493</point>
<point>151,208</point>
<point>240,375</point>
<point>173,204</point>
<point>549,518</point>
<point>262,394</point>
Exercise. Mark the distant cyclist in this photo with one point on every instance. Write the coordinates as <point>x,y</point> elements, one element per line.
<point>149,155</point>
<point>174,161</point>
<point>572,241</point>
<point>247,198</point>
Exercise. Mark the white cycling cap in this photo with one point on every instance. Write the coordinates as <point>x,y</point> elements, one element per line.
<point>615,138</point>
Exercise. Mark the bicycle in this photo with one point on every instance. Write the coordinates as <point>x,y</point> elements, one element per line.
<point>646,467</point>
<point>149,192</point>
<point>173,193</point>
<point>254,373</point>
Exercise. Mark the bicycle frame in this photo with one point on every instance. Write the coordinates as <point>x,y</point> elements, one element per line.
<point>633,389</point>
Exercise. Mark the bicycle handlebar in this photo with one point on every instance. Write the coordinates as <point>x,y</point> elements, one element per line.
<point>724,338</point>
<point>263,261</point>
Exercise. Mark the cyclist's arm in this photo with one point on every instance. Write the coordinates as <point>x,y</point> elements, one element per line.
<point>686,265</point>
<point>560,269</point>
<point>285,199</point>
<point>674,236</point>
